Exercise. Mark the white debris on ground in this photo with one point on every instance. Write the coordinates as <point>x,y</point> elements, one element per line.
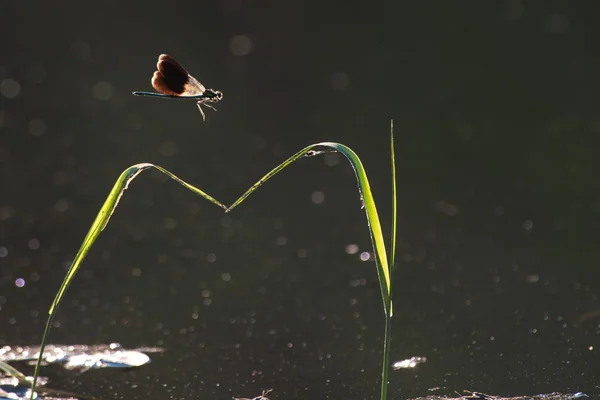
<point>81,357</point>
<point>409,363</point>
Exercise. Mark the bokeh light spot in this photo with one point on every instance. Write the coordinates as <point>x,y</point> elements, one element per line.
<point>317,197</point>
<point>102,91</point>
<point>339,80</point>
<point>240,45</point>
<point>557,23</point>
<point>33,244</point>
<point>10,88</point>
<point>37,127</point>
<point>351,249</point>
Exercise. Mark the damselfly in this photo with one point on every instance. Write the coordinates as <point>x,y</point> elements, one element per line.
<point>172,81</point>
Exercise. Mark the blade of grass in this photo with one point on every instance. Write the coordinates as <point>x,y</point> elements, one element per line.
<point>99,224</point>
<point>394,208</point>
<point>9,370</point>
<point>383,268</point>
<point>388,317</point>
<point>381,261</point>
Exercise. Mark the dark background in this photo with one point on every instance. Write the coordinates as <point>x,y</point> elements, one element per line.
<point>497,123</point>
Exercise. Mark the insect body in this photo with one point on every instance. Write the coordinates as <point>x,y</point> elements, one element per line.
<point>173,81</point>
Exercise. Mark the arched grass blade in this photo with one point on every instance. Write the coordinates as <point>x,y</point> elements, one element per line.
<point>364,188</point>
<point>381,260</point>
<point>99,224</point>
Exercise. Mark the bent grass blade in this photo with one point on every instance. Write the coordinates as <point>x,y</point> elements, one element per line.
<point>381,259</point>
<point>109,206</point>
<point>364,188</point>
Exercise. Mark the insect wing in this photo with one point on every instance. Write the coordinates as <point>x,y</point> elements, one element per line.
<point>172,79</point>
<point>193,87</point>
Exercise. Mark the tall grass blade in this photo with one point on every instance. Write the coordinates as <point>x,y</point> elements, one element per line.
<point>388,317</point>
<point>99,224</point>
<point>394,207</point>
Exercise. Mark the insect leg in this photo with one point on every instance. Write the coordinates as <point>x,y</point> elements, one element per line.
<point>201,111</point>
